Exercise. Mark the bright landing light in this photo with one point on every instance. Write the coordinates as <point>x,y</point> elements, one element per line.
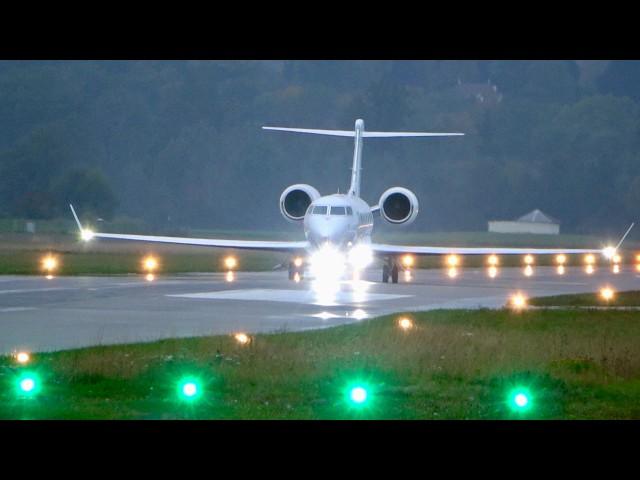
<point>360,256</point>
<point>493,260</point>
<point>609,252</point>
<point>326,265</point>
<point>328,262</point>
<point>528,259</point>
<point>86,234</point>
<point>561,259</point>
<point>242,338</point>
<point>590,259</point>
<point>453,260</point>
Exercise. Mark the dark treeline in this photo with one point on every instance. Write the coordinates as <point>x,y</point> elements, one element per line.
<point>179,143</point>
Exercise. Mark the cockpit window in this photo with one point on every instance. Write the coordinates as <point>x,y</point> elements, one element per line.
<point>320,210</point>
<point>349,211</point>
<point>338,211</point>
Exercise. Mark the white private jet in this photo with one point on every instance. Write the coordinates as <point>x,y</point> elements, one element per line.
<point>338,227</point>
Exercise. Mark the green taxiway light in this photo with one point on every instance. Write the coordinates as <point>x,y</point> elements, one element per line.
<point>28,384</point>
<point>358,395</point>
<point>520,400</point>
<point>189,389</point>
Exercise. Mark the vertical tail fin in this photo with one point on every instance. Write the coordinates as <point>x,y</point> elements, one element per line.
<point>359,134</point>
<point>354,188</point>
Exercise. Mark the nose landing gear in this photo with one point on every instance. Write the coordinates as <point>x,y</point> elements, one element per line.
<point>390,269</point>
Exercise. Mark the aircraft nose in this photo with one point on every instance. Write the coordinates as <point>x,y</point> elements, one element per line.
<point>327,229</point>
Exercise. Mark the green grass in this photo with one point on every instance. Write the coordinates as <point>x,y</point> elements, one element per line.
<point>621,299</point>
<point>452,365</point>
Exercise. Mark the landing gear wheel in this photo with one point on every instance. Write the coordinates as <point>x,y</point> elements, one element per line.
<point>295,273</point>
<point>394,274</point>
<point>291,271</point>
<point>385,273</point>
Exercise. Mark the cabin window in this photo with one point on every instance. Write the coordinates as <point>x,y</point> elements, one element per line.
<point>338,210</point>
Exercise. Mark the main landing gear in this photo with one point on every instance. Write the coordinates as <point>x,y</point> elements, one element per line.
<point>296,269</point>
<point>390,268</point>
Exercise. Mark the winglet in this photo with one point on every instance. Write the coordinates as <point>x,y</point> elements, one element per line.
<point>625,235</point>
<point>609,252</point>
<point>76,217</point>
<point>85,233</point>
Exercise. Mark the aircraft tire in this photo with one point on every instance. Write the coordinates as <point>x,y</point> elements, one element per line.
<point>394,274</point>
<point>385,274</point>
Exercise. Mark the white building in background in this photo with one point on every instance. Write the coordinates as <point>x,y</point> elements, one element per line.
<point>533,222</point>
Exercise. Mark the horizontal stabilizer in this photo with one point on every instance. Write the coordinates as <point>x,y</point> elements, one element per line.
<point>334,133</point>
<point>365,134</point>
<point>407,134</point>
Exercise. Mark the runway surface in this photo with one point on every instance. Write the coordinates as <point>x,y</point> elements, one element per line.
<point>40,314</point>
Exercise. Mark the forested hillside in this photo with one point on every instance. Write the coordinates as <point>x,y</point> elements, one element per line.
<point>179,144</point>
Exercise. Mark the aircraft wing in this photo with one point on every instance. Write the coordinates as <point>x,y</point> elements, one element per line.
<point>205,242</point>
<point>425,250</point>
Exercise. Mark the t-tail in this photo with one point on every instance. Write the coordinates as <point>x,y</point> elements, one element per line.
<point>359,133</point>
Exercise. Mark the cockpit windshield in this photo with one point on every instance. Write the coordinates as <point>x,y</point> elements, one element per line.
<point>338,210</point>
<point>319,210</point>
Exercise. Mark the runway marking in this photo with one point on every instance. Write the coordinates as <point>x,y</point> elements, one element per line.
<point>16,309</point>
<point>289,296</point>
<point>463,303</point>
<point>30,290</point>
<point>84,287</point>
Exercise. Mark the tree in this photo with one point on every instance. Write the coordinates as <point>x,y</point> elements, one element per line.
<point>89,189</point>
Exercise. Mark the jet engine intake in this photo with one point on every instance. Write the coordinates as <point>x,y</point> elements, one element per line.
<point>398,205</point>
<point>295,200</point>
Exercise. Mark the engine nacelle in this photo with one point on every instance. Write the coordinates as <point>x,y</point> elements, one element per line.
<point>295,200</point>
<point>398,205</point>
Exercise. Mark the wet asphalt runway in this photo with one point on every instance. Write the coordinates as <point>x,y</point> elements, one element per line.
<point>40,314</point>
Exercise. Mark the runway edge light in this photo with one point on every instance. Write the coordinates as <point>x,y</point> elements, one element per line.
<point>23,358</point>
